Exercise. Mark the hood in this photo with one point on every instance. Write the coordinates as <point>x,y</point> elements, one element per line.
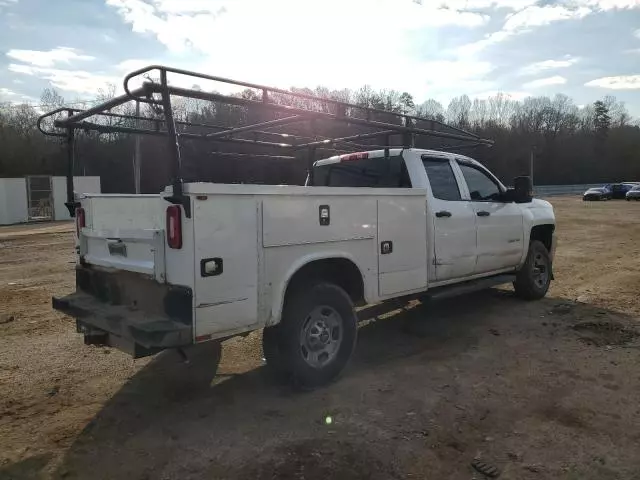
<point>539,203</point>
<point>595,190</point>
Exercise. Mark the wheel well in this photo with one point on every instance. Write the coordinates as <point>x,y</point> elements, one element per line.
<point>339,271</point>
<point>544,234</point>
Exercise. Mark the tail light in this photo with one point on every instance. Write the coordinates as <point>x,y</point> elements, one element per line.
<point>355,156</point>
<point>81,220</point>
<point>174,226</point>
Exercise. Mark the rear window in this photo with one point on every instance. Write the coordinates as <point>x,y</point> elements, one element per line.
<point>376,172</point>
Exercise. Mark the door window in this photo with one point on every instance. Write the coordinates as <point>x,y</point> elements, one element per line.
<point>442,179</point>
<point>482,188</point>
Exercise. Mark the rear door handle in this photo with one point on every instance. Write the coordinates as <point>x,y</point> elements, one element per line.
<point>482,213</point>
<point>443,213</point>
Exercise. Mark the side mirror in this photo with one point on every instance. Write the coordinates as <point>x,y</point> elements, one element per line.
<point>522,189</point>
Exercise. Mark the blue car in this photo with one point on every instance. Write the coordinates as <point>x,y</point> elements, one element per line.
<point>619,190</point>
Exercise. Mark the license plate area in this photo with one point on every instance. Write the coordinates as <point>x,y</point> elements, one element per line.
<point>117,247</point>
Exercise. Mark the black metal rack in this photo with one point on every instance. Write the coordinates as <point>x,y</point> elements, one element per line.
<point>158,92</point>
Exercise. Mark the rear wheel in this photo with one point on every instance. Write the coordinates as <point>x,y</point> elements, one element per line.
<point>533,280</point>
<point>316,337</point>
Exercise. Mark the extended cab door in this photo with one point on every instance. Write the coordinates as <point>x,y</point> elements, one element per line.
<point>500,230</point>
<point>454,222</point>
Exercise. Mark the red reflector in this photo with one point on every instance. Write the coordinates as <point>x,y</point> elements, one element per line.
<point>81,220</point>
<point>174,226</point>
<point>355,156</point>
<point>203,338</point>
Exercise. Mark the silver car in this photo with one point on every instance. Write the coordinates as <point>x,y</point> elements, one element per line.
<point>634,193</point>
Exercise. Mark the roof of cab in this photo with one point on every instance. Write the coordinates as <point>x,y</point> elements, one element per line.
<point>395,152</point>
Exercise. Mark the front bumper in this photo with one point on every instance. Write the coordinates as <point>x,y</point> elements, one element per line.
<point>592,197</point>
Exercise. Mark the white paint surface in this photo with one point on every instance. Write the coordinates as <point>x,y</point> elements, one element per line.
<point>13,201</point>
<point>81,185</point>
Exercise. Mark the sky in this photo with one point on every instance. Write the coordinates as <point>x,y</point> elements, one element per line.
<point>430,48</point>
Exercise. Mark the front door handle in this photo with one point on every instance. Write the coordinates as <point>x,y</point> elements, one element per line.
<point>443,213</point>
<point>482,213</point>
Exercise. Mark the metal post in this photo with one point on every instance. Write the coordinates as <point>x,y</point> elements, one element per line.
<point>136,152</point>
<point>71,197</point>
<point>531,159</point>
<point>174,144</point>
<point>311,158</point>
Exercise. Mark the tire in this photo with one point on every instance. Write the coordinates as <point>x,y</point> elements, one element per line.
<point>533,280</point>
<point>315,338</point>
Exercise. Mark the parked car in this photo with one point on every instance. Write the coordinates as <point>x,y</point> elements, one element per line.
<point>634,193</point>
<point>619,190</point>
<point>597,193</point>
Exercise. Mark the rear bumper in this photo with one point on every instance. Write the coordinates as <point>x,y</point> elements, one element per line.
<point>134,332</point>
<point>128,311</point>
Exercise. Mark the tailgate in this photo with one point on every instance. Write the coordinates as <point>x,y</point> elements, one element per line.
<point>125,232</point>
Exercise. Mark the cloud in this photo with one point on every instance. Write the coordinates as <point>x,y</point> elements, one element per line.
<point>192,24</point>
<point>545,82</point>
<point>7,93</point>
<point>534,16</point>
<point>637,34</point>
<point>48,58</point>
<point>535,68</point>
<point>622,82</point>
<point>486,4</point>
<point>537,16</point>
<point>604,5</point>
<point>299,47</point>
<point>70,80</point>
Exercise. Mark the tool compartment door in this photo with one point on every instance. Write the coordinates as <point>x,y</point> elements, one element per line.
<point>226,264</point>
<point>402,244</point>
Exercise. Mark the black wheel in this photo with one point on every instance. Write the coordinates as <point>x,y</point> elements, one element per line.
<point>533,280</point>
<point>316,337</point>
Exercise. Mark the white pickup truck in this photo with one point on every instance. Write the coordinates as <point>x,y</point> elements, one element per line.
<point>295,260</point>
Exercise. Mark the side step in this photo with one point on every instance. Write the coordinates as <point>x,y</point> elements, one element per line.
<point>471,286</point>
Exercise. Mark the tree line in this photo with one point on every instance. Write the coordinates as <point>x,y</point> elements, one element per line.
<point>599,142</point>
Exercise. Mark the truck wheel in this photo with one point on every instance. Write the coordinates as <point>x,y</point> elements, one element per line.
<point>316,337</point>
<point>533,280</point>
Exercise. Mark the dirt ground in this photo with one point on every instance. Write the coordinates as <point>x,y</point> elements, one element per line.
<point>542,390</point>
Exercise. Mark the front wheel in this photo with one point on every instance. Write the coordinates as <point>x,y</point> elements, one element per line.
<point>533,280</point>
<point>316,337</point>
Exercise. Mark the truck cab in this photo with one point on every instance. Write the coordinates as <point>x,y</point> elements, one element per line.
<point>475,225</point>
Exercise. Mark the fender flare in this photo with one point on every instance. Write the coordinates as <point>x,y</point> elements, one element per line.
<point>279,292</point>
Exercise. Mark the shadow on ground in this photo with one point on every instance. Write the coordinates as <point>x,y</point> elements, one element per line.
<point>182,421</point>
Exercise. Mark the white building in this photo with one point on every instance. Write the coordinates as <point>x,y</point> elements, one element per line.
<point>37,198</point>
